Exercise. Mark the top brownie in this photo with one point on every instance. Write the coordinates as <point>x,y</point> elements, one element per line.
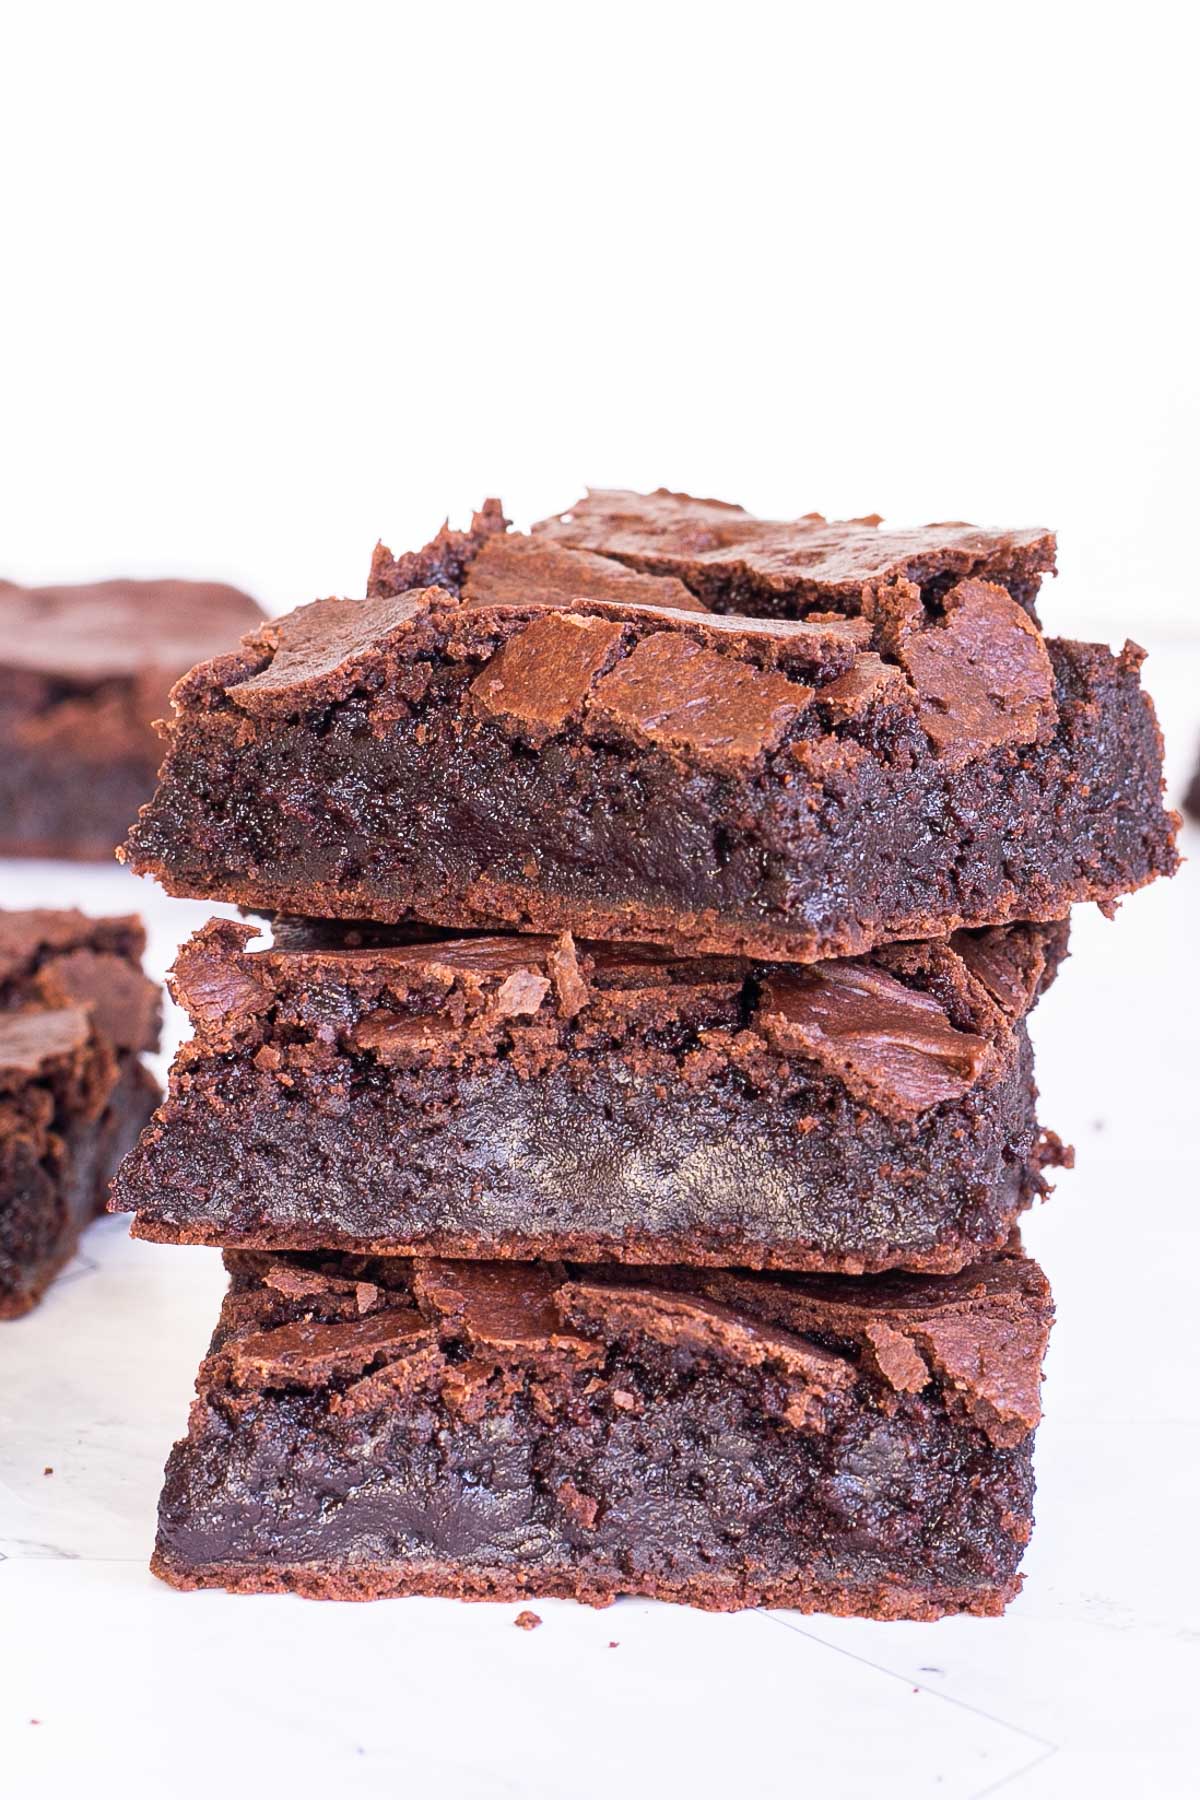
<point>510,731</point>
<point>84,672</point>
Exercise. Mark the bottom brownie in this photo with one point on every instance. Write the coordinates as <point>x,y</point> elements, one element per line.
<point>75,1014</point>
<point>369,1427</point>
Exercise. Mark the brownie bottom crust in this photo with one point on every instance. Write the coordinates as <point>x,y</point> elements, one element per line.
<point>373,1427</point>
<point>444,1581</point>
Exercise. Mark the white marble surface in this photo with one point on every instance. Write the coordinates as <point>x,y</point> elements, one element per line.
<point>111,1683</point>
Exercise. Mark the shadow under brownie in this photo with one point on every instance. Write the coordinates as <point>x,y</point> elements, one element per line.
<point>541,738</point>
<point>376,1427</point>
<point>527,1097</point>
<point>75,1014</point>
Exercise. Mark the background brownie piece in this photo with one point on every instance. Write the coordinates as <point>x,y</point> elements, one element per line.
<point>1191,800</point>
<point>84,672</point>
<point>560,744</point>
<point>494,1431</point>
<point>519,1097</point>
<point>75,1014</point>
<point>734,562</point>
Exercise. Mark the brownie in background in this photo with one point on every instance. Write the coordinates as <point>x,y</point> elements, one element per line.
<point>84,673</point>
<point>1191,800</point>
<point>76,1013</point>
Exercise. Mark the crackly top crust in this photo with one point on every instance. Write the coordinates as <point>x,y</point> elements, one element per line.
<point>729,558</point>
<point>64,963</point>
<point>906,1029</point>
<point>558,642</point>
<point>368,1326</point>
<point>505,567</point>
<point>28,938</point>
<point>104,630</point>
<point>34,1040</point>
<point>321,651</point>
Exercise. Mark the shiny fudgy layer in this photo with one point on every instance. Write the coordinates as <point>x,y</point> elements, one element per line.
<point>606,1162</point>
<point>907,1501</point>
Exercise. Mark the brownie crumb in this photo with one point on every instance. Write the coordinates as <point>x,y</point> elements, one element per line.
<point>527,1621</point>
<point>47,1471</point>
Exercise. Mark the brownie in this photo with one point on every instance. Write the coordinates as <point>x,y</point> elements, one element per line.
<point>84,672</point>
<point>367,1427</point>
<point>526,1097</point>
<point>76,1012</point>
<point>548,740</point>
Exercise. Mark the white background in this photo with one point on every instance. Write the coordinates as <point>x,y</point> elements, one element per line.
<point>278,281</point>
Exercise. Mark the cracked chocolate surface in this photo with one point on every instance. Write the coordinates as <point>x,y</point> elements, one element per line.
<point>525,1096</point>
<point>369,1426</point>
<point>737,563</point>
<point>542,736</point>
<point>75,1013</point>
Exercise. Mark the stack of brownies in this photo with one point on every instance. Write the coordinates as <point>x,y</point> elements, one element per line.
<point>618,1147</point>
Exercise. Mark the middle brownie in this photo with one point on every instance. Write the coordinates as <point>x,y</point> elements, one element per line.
<point>523,1096</point>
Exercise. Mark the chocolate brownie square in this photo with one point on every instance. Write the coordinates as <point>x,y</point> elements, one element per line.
<point>367,1427</point>
<point>542,738</point>
<point>527,1097</point>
